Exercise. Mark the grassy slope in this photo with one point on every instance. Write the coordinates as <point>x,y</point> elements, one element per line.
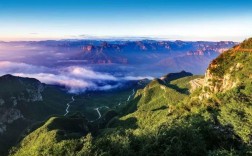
<point>155,100</point>
<point>57,131</point>
<point>218,126</point>
<point>164,120</point>
<point>147,107</point>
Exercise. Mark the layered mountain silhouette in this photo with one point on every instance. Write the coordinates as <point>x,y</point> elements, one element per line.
<point>168,56</point>
<point>177,114</point>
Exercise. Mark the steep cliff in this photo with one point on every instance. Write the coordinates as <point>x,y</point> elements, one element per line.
<point>23,102</point>
<point>231,69</point>
<point>167,117</point>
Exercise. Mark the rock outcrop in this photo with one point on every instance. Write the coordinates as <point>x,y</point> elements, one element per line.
<point>230,70</point>
<point>14,92</point>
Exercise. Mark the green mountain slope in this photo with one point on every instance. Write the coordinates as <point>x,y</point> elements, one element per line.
<point>24,102</point>
<point>151,105</point>
<point>167,118</point>
<point>228,84</point>
<point>148,110</point>
<point>46,140</point>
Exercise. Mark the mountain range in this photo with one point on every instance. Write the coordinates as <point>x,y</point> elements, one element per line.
<point>177,114</point>
<point>168,56</point>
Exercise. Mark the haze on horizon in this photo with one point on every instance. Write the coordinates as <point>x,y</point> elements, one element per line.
<point>210,20</point>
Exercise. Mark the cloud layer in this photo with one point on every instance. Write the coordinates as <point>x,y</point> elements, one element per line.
<point>75,78</point>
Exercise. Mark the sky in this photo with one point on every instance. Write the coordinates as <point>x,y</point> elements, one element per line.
<point>211,20</point>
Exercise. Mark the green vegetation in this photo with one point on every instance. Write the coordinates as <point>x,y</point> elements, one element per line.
<point>237,112</point>
<point>87,102</point>
<point>22,95</point>
<point>56,137</point>
<point>163,118</point>
<point>25,95</point>
<point>115,100</point>
<point>231,62</point>
<point>154,102</point>
<point>247,44</point>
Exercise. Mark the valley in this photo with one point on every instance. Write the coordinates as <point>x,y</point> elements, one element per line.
<point>193,108</point>
<point>68,105</point>
<point>125,78</point>
<point>17,107</point>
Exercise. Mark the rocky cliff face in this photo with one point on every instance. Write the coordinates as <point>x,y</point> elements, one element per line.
<point>24,102</point>
<point>8,116</point>
<point>222,83</point>
<point>14,92</point>
<point>230,70</point>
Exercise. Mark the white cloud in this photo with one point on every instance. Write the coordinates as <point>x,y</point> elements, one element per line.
<point>16,67</point>
<point>74,85</point>
<point>75,78</point>
<point>81,72</point>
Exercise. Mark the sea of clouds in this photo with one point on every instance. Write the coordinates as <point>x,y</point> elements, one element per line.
<point>75,78</point>
<point>55,67</point>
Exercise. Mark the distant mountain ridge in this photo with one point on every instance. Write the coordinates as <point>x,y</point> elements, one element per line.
<point>168,56</point>
<point>165,118</point>
<point>125,51</point>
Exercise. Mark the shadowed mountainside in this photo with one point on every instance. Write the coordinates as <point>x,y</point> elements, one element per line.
<point>165,118</point>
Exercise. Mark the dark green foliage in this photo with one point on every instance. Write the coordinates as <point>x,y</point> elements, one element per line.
<point>148,131</point>
<point>164,118</point>
<point>237,113</point>
<point>58,136</point>
<point>23,95</point>
<point>111,140</point>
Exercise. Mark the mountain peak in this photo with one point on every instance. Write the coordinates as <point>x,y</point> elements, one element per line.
<point>172,76</point>
<point>7,76</point>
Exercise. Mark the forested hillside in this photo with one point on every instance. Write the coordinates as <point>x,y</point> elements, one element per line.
<point>167,117</point>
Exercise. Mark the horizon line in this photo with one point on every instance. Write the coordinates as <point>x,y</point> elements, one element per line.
<point>118,38</point>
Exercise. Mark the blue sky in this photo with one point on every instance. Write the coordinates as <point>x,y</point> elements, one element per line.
<point>164,19</point>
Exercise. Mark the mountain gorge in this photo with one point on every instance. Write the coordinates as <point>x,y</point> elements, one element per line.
<point>177,114</point>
